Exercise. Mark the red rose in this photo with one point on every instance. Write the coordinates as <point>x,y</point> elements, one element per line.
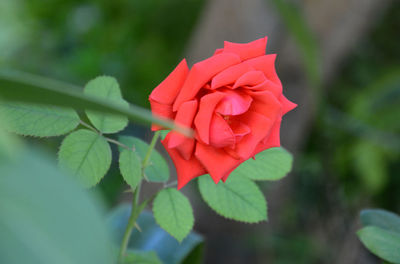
<point>233,101</point>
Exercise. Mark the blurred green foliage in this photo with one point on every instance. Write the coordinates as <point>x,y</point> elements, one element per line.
<point>138,42</point>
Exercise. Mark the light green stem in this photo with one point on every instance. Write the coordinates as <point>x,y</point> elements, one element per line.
<point>129,227</point>
<point>153,142</point>
<point>136,208</point>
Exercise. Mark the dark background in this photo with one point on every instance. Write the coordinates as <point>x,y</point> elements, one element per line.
<point>339,60</point>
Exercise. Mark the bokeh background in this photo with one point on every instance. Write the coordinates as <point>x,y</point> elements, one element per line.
<point>339,60</point>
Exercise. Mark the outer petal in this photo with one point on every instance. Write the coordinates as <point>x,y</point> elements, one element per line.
<point>218,51</point>
<point>230,75</point>
<point>247,50</point>
<point>201,73</point>
<point>184,117</point>
<point>221,135</point>
<point>160,110</point>
<point>266,64</point>
<point>203,118</point>
<point>186,169</point>
<point>265,103</point>
<point>260,127</point>
<point>286,104</point>
<point>233,103</point>
<point>168,89</point>
<point>216,161</point>
<point>272,140</point>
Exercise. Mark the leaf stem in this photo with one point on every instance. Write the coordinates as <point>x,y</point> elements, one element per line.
<point>108,139</point>
<point>119,143</point>
<point>171,184</point>
<point>136,207</point>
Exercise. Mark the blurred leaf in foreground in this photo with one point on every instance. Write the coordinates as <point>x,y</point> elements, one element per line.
<point>47,218</point>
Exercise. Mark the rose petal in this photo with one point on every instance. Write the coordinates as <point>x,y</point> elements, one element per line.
<point>218,51</point>
<point>247,50</point>
<point>232,153</point>
<point>201,73</point>
<point>203,118</point>
<point>233,103</point>
<point>239,129</point>
<point>286,104</point>
<point>265,103</point>
<point>186,169</point>
<point>168,89</point>
<point>162,111</point>
<point>267,85</point>
<point>272,140</point>
<point>266,64</point>
<point>260,127</point>
<point>230,75</point>
<point>251,78</point>
<point>221,134</point>
<point>216,161</point>
<point>184,117</point>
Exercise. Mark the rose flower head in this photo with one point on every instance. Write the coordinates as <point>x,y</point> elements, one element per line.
<point>234,103</point>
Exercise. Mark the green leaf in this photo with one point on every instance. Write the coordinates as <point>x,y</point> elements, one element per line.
<point>173,212</point>
<point>130,167</point>
<point>157,170</point>
<point>107,88</point>
<point>29,88</point>
<point>141,257</point>
<point>86,155</point>
<point>382,243</point>
<point>238,198</point>
<point>270,165</point>
<point>40,121</point>
<point>152,237</point>
<point>46,218</point>
<point>9,144</point>
<point>381,218</point>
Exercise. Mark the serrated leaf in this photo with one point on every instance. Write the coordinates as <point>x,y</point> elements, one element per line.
<point>157,170</point>
<point>130,167</point>
<point>238,198</point>
<point>381,218</point>
<point>382,243</point>
<point>270,165</point>
<point>39,121</point>
<point>173,212</point>
<point>106,87</point>
<point>86,155</point>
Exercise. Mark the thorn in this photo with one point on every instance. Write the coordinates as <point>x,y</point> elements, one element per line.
<point>138,227</point>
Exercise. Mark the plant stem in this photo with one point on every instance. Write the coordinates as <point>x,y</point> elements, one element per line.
<point>129,227</point>
<point>136,208</point>
<point>118,143</point>
<point>153,142</point>
<point>108,139</point>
